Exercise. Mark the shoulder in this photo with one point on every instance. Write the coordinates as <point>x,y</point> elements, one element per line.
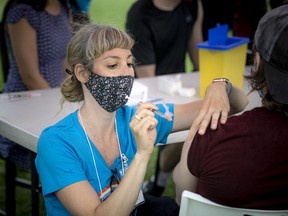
<point>248,116</point>
<point>140,6</point>
<point>192,7</point>
<point>236,126</point>
<point>140,11</point>
<point>19,11</point>
<point>58,133</point>
<point>191,4</point>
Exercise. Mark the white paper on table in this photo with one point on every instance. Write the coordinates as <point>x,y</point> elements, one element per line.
<point>139,93</point>
<point>173,85</point>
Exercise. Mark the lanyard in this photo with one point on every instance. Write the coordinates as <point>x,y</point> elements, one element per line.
<point>123,157</point>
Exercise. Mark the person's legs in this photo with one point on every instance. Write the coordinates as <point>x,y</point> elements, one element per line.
<point>158,206</point>
<point>168,157</point>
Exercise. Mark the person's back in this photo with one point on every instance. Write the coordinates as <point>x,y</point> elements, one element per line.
<point>244,163</point>
<point>162,34</point>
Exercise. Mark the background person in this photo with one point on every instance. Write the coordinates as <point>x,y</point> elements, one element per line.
<point>36,33</point>
<point>93,161</point>
<point>164,31</point>
<point>244,162</point>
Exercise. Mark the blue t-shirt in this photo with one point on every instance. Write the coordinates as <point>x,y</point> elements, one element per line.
<point>83,6</point>
<point>64,156</point>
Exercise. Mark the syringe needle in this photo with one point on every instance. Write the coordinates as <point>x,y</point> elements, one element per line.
<point>162,115</point>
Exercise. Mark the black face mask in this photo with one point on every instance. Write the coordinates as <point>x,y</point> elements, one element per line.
<point>110,92</point>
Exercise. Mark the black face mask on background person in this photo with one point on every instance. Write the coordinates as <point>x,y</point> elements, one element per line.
<point>110,92</point>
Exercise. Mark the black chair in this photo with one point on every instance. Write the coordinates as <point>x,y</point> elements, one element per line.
<point>12,181</point>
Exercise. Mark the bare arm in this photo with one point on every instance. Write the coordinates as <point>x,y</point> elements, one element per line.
<point>81,199</point>
<point>213,108</point>
<point>182,177</point>
<point>24,45</point>
<point>238,100</point>
<point>210,108</point>
<point>196,37</point>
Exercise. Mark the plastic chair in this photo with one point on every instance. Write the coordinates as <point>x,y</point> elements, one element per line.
<point>193,204</point>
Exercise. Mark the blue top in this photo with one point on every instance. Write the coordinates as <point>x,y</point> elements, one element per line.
<point>53,35</point>
<point>218,39</point>
<point>64,156</point>
<point>84,6</point>
<point>229,43</point>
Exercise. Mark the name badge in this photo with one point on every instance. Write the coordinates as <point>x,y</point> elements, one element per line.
<point>140,200</point>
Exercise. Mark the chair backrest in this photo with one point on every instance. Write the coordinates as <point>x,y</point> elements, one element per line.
<point>193,204</point>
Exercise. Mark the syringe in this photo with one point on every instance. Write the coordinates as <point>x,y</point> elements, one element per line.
<point>162,115</point>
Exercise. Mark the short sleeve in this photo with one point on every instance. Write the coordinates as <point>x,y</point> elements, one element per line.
<point>57,162</point>
<point>164,127</point>
<point>143,49</point>
<point>198,152</point>
<point>20,11</point>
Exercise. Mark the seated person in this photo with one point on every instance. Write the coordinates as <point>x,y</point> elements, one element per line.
<point>34,50</point>
<point>93,161</point>
<point>165,31</point>
<point>244,163</point>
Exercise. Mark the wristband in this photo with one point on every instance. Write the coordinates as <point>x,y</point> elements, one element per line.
<point>228,83</point>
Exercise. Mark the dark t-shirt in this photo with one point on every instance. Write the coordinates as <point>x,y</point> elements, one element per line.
<point>161,36</point>
<point>244,163</point>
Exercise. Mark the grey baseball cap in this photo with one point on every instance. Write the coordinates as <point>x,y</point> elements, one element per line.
<point>271,40</point>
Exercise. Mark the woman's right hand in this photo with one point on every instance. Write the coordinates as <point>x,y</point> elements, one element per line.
<point>143,126</point>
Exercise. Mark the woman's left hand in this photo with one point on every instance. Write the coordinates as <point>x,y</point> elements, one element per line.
<point>215,107</point>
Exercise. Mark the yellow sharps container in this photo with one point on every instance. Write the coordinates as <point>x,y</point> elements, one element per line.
<point>222,57</point>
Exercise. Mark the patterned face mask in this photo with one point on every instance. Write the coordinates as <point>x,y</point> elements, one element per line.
<point>110,92</point>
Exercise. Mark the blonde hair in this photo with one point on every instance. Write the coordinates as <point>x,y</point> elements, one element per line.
<point>88,43</point>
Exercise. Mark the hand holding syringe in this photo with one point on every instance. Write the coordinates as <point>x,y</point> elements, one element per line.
<point>167,115</point>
